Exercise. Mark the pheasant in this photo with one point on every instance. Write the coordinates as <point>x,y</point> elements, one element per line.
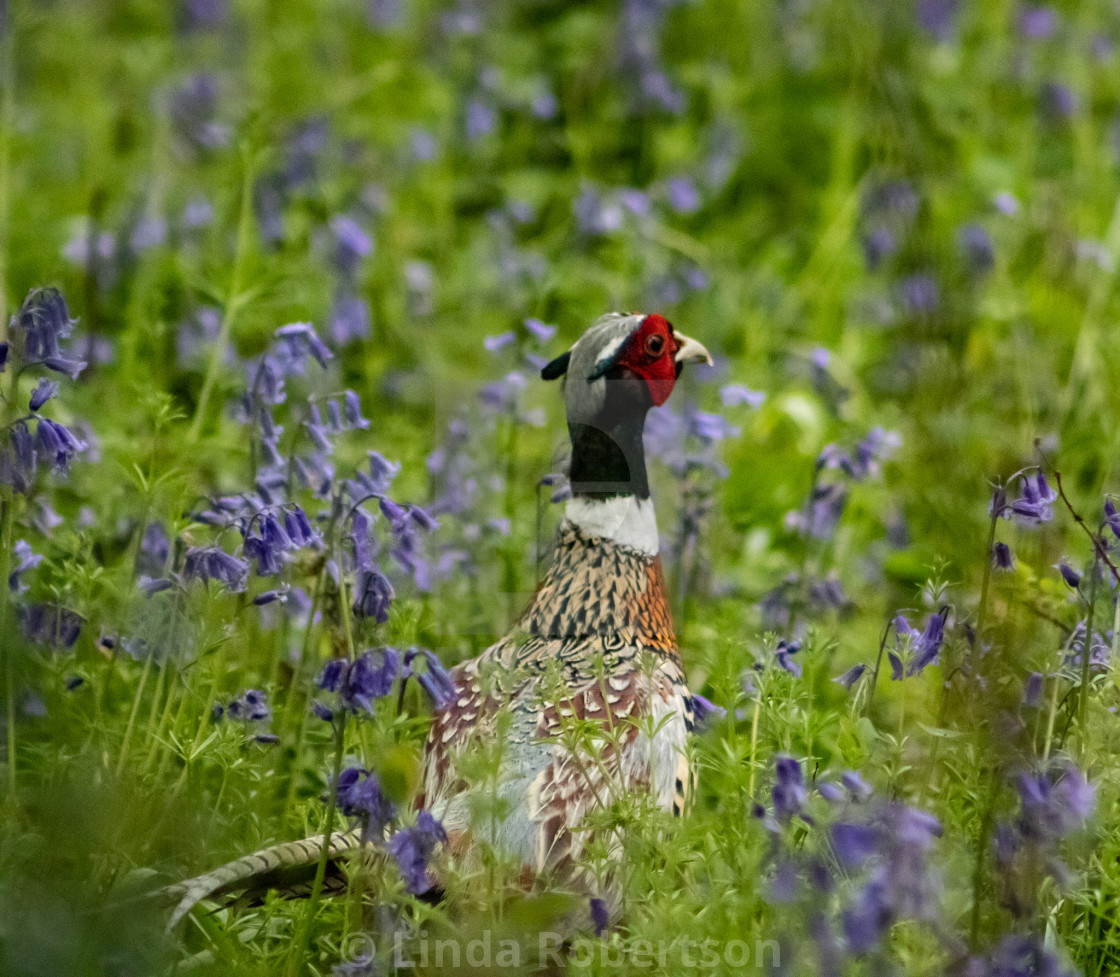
<point>586,696</point>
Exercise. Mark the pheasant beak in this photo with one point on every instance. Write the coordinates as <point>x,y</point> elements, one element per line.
<point>690,351</point>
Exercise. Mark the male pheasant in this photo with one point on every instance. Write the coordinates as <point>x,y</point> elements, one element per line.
<point>586,697</point>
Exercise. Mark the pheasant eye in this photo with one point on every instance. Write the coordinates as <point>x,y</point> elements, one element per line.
<point>655,344</point>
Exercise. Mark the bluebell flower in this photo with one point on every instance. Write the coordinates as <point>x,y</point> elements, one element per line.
<point>44,321</point>
<point>153,585</point>
<point>212,563</point>
<point>57,443</point>
<point>194,113</point>
<point>783,655</point>
<point>1112,517</point>
<point>1054,804</point>
<point>878,245</point>
<point>270,597</point>
<point>1034,504</point>
<point>203,14</point>
<point>250,706</point>
<point>1069,575</point>
<point>349,320</point>
<point>919,295</point>
<point>851,676</point>
<point>938,17</point>
<point>928,645</point>
<point>352,243</point>
<point>788,793</point>
<point>494,343</point>
<point>1057,101</point>
<point>301,339</point>
<point>976,244</point>
<point>733,394</point>
<point>50,624</point>
<point>359,795</point>
<point>856,786</point>
<point>600,919</point>
<point>413,847</point>
<point>23,560</point>
<point>1002,558</point>
<point>539,330</point>
<point>353,406</point>
<point>481,119</point>
<point>854,844</point>
<point>44,390</point>
<point>682,195</point>
<point>1037,22</point>
<point>825,508</point>
<point>705,712</point>
<point>433,677</point>
<point>1032,690</point>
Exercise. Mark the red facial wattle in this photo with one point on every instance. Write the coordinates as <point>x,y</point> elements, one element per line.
<point>650,353</point>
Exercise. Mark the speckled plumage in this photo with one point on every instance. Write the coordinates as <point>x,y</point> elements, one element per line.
<point>595,704</point>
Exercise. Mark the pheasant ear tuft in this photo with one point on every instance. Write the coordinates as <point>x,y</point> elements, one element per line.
<point>557,368</point>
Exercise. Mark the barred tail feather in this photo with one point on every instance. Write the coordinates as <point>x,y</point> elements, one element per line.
<point>277,867</point>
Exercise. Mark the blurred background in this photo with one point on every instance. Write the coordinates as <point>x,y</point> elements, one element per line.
<point>896,227</point>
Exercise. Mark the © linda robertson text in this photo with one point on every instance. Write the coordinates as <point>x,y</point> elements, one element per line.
<point>484,951</point>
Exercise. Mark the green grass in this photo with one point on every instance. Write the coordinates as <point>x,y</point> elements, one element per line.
<point>791,116</point>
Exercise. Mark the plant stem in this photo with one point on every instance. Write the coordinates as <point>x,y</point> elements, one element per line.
<point>1086,653</point>
<point>7,502</point>
<point>299,944</point>
<point>234,299</point>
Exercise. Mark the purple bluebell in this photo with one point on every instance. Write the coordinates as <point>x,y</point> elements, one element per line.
<point>353,408</point>
<point>57,444</point>
<point>24,559</point>
<point>706,713</point>
<point>851,676</point>
<point>1002,557</point>
<point>733,394</point>
<point>919,295</point>
<point>18,460</point>
<point>50,624</point>
<point>1032,690</point>
<point>1037,22</point>
<point>600,918</point>
<point>352,243</point>
<point>360,796</point>
<point>783,655</point>
<point>44,320</point>
<point>1071,577</point>
<point>4,348</point>
<point>433,677</point>
<point>194,113</point>
<point>928,645</point>
<point>1057,101</point>
<point>349,320</point>
<point>481,119</point>
<point>976,245</point>
<point>788,793</point>
<point>539,330</point>
<point>878,245</point>
<point>854,843</point>
<point>153,585</point>
<point>1034,504</point>
<point>203,14</point>
<point>301,340</point>
<point>271,597</point>
<point>938,18</point>
<point>44,390</point>
<point>494,343</point>
<point>825,508</point>
<point>1112,517</point>
<point>212,563</point>
<point>682,195</point>
<point>413,848</point>
<point>1054,803</point>
<point>250,707</point>
<point>856,786</point>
